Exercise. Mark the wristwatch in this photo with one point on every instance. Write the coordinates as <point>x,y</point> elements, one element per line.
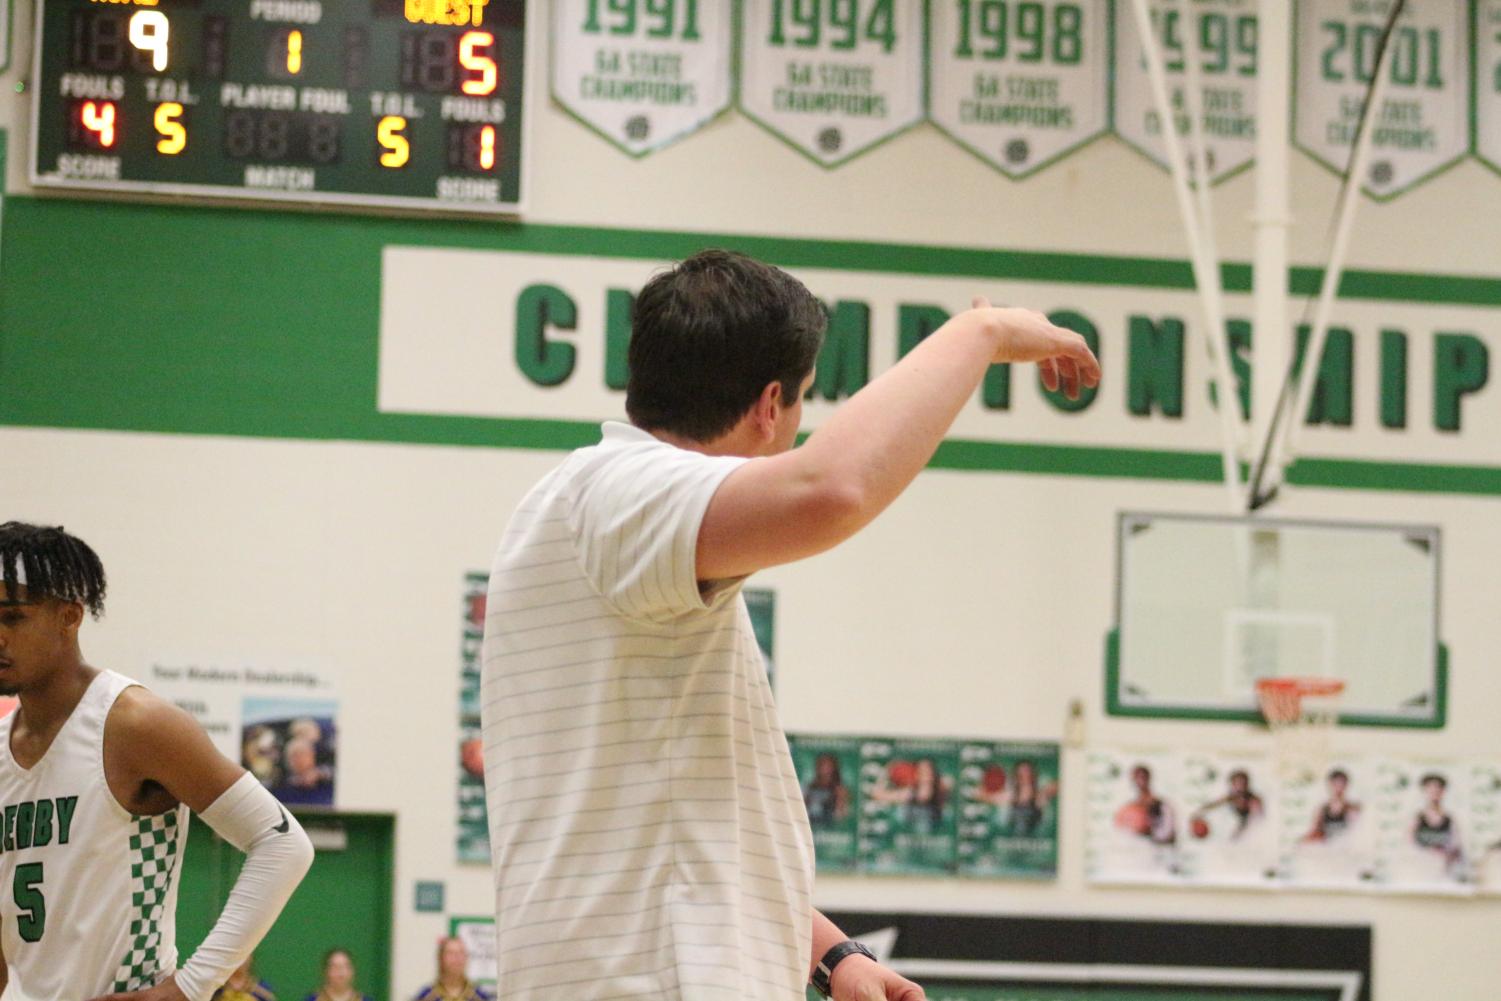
<point>824,971</point>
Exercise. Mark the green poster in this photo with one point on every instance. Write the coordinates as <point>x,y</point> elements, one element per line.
<point>472,833</point>
<point>762,606</point>
<point>907,806</point>
<point>1008,812</point>
<point>826,769</point>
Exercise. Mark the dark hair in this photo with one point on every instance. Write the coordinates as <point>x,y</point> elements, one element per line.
<point>1338,773</point>
<point>53,564</point>
<point>1240,773</point>
<point>338,950</point>
<point>832,759</point>
<point>1433,777</point>
<point>939,794</point>
<point>709,334</point>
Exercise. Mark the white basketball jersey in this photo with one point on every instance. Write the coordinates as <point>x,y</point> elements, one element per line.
<point>88,891</point>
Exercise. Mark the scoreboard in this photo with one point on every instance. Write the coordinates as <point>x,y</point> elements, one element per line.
<point>385,103</point>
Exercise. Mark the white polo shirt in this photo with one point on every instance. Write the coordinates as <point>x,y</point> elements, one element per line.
<point>647,828</point>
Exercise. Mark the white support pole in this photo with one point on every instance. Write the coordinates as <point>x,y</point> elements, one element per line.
<point>1205,268</point>
<point>1292,423</point>
<point>1272,336</point>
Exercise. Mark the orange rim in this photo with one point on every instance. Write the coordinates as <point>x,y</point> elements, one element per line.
<point>1300,686</point>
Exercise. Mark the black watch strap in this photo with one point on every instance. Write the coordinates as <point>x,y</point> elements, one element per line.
<point>824,971</point>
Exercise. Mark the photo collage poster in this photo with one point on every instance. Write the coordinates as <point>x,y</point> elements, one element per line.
<point>1354,823</point>
<point>930,807</point>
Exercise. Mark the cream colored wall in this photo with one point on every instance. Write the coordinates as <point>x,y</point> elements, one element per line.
<point>976,606</point>
<point>997,586</point>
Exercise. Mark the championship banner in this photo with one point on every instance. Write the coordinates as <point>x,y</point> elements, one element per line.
<point>1019,84</point>
<point>1222,36</point>
<point>835,78</point>
<point>1488,82</point>
<point>1423,125</point>
<point>642,74</point>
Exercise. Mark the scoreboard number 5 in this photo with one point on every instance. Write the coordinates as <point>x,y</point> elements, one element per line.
<point>174,134</point>
<point>390,134</point>
<point>475,61</point>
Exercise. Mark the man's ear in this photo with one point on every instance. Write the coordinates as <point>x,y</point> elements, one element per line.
<point>71,615</point>
<point>767,410</point>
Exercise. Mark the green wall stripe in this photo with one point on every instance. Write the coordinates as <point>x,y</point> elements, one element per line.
<point>954,454</point>
<point>265,324</point>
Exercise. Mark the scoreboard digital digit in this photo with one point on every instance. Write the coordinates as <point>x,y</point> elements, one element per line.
<point>385,103</point>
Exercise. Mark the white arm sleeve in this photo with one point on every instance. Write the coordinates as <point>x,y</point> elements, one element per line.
<point>277,856</point>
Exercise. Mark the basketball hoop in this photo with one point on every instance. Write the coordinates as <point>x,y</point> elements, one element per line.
<point>1301,712</point>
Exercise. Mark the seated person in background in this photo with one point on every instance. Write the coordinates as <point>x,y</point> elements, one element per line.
<point>338,979</point>
<point>244,985</point>
<point>453,982</point>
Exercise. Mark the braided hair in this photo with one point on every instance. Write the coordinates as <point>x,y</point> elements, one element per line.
<point>50,563</point>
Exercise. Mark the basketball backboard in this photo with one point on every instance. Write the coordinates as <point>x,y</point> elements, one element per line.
<point>1206,605</point>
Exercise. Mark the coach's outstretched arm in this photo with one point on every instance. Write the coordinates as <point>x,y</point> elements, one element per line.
<point>786,507</point>
<point>151,739</point>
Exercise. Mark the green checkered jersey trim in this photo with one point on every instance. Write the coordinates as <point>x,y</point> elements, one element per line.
<point>153,863</point>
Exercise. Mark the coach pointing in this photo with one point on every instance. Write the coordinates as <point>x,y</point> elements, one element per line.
<point>648,832</point>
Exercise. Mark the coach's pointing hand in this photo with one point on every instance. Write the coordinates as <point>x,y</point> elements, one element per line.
<point>858,978</point>
<point>167,990</point>
<point>1062,356</point>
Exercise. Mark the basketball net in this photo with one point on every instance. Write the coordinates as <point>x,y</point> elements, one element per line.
<point>1301,712</point>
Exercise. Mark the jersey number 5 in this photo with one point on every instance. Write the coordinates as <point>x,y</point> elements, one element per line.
<point>32,920</point>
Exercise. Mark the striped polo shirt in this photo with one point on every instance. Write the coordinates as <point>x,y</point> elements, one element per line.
<point>647,828</point>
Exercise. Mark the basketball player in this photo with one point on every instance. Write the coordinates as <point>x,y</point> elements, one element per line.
<point>95,776</point>
<point>649,836</point>
<point>1337,813</point>
<point>1242,801</point>
<point>1148,814</point>
<point>1433,829</point>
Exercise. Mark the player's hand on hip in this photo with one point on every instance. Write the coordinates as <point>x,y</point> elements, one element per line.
<point>858,978</point>
<point>167,990</point>
<point>1062,355</point>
